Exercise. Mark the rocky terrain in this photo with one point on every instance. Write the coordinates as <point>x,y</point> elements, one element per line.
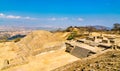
<point>45,51</point>
<point>107,61</point>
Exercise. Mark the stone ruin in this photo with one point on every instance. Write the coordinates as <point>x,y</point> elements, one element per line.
<point>78,51</point>
<point>100,42</point>
<point>24,53</point>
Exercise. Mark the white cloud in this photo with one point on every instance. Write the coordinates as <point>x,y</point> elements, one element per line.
<point>64,18</point>
<point>15,17</point>
<point>1,14</point>
<point>60,19</point>
<point>80,19</point>
<point>52,19</point>
<point>29,18</point>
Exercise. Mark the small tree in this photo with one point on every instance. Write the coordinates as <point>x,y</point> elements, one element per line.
<point>90,29</point>
<point>116,27</point>
<point>72,35</point>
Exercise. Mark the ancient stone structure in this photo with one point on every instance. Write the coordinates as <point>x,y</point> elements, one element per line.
<point>81,52</point>
<point>92,44</point>
<point>78,51</point>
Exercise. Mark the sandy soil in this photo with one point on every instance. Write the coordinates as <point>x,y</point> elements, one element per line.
<point>46,61</point>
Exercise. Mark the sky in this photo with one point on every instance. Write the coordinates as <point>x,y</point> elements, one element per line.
<point>59,13</point>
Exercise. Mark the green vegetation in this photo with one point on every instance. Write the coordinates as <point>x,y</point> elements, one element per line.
<point>17,39</point>
<point>7,38</point>
<point>72,35</point>
<point>116,28</point>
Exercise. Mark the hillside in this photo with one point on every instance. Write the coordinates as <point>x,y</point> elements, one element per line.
<point>45,51</point>
<point>34,50</point>
<point>39,41</point>
<point>107,61</point>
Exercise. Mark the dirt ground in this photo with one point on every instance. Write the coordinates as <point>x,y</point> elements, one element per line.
<point>108,61</point>
<point>46,61</point>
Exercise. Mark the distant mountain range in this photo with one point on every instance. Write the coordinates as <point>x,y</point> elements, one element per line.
<point>99,27</point>
<point>14,28</point>
<point>102,27</point>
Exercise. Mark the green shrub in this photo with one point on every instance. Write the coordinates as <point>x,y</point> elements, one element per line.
<point>17,39</point>
<point>72,35</point>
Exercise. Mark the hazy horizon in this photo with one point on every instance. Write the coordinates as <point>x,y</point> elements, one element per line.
<point>59,13</point>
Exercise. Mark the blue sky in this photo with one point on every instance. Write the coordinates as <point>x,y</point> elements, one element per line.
<point>59,13</point>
